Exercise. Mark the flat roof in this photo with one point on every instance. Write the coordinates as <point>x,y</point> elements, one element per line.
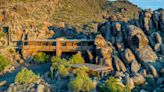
<point>54,40</point>
<point>93,67</point>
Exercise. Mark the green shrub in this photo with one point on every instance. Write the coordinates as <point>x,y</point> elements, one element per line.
<point>4,62</point>
<point>60,65</point>
<point>82,82</point>
<point>2,34</point>
<point>113,85</point>
<point>76,59</point>
<point>26,76</point>
<point>41,57</point>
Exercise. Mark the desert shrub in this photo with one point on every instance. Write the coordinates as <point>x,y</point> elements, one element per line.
<point>113,85</point>
<point>26,76</point>
<point>4,62</point>
<point>76,59</point>
<point>82,82</point>
<point>41,57</point>
<point>60,65</point>
<point>2,34</point>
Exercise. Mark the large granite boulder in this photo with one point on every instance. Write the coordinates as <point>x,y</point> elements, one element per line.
<point>128,56</point>
<point>161,20</point>
<point>151,69</point>
<point>156,19</point>
<point>136,37</point>
<point>139,43</point>
<point>146,54</point>
<point>156,41</point>
<point>146,21</point>
<point>42,88</point>
<point>147,18</point>
<point>129,82</point>
<point>138,79</point>
<point>119,65</point>
<point>135,66</point>
<point>103,50</point>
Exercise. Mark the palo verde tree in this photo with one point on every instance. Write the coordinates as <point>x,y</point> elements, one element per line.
<point>82,82</point>
<point>26,76</point>
<point>76,59</point>
<point>4,62</point>
<point>62,66</point>
<point>41,57</point>
<point>113,85</point>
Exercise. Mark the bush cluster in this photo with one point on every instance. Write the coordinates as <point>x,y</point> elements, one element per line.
<point>41,57</point>
<point>4,62</point>
<point>60,65</point>
<point>113,85</point>
<point>82,82</point>
<point>26,76</point>
<point>76,59</point>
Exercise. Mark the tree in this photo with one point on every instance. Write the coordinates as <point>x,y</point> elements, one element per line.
<point>82,82</point>
<point>26,76</point>
<point>4,62</point>
<point>41,57</point>
<point>60,65</point>
<point>76,59</point>
<point>113,85</point>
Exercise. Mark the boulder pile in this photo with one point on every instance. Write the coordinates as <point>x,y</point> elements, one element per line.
<point>135,49</point>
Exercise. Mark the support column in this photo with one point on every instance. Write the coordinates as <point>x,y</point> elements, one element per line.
<point>58,49</point>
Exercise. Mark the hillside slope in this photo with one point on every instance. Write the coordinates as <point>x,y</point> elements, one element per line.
<point>37,15</point>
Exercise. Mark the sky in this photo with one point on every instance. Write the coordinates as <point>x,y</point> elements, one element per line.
<point>145,4</point>
<point>153,4</point>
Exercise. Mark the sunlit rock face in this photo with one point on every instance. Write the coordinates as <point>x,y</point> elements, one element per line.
<point>139,42</point>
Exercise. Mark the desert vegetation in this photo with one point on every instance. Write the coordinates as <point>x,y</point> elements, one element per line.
<point>113,85</point>
<point>4,62</point>
<point>119,47</point>
<point>41,57</point>
<point>26,76</point>
<point>82,81</point>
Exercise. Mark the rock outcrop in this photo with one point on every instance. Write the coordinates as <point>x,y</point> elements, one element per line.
<point>103,50</point>
<point>139,43</point>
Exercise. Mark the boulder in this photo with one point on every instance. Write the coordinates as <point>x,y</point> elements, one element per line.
<point>138,79</point>
<point>153,71</point>
<point>151,80</point>
<point>161,20</point>
<point>162,49</point>
<point>40,88</point>
<point>143,72</point>
<point>2,83</point>
<point>146,54</point>
<point>120,65</point>
<point>128,55</point>
<point>139,43</point>
<point>108,62</point>
<point>103,51</point>
<point>156,19</point>
<point>108,31</point>
<point>145,20</point>
<point>100,42</point>
<point>118,74</point>
<point>142,90</point>
<point>162,71</point>
<point>136,37</point>
<point>135,66</point>
<point>129,82</point>
<point>160,80</point>
<point>156,41</point>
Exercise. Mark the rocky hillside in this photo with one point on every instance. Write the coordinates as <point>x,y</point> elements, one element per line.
<point>26,14</point>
